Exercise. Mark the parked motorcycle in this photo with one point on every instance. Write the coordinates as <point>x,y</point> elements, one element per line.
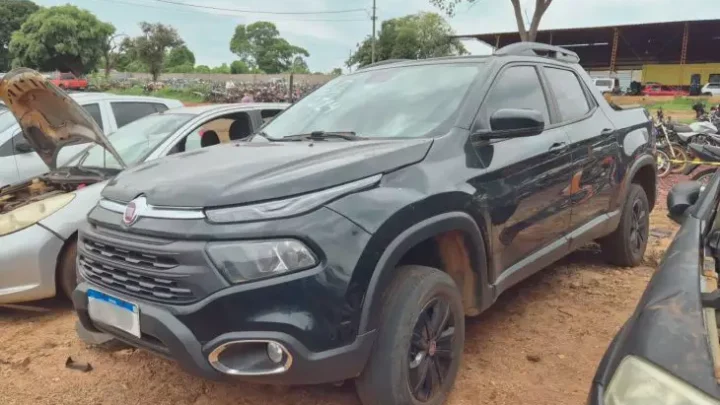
<point>705,153</point>
<point>672,144</point>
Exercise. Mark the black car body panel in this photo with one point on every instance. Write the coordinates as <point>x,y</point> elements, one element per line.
<point>668,326</point>
<point>260,171</point>
<point>513,206</point>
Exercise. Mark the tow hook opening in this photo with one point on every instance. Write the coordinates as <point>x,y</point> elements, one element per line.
<point>251,358</point>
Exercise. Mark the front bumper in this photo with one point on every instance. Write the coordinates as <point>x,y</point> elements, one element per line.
<point>165,334</point>
<point>28,259</point>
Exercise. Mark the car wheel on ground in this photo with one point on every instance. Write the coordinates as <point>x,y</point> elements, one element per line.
<point>626,246</point>
<point>422,332</point>
<point>67,269</point>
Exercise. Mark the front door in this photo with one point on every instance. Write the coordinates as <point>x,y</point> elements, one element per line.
<point>595,147</point>
<point>523,187</point>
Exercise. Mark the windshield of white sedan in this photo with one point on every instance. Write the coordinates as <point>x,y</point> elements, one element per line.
<point>135,140</point>
<point>399,102</point>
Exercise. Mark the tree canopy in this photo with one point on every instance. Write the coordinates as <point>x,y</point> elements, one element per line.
<point>238,67</point>
<point>151,47</point>
<point>180,57</point>
<point>416,36</point>
<point>13,13</point>
<point>526,33</point>
<point>260,46</point>
<point>62,37</point>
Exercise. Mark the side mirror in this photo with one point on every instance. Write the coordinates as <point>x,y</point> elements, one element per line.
<point>513,123</point>
<point>682,196</point>
<point>23,147</point>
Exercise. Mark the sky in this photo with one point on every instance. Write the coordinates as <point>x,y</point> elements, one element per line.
<point>331,37</point>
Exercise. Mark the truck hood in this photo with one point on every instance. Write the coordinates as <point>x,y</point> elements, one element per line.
<point>246,172</point>
<point>49,118</point>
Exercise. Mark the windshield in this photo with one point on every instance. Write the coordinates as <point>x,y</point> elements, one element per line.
<point>133,141</point>
<point>6,119</point>
<point>397,102</point>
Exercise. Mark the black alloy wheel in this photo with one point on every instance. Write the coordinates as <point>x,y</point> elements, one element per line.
<point>431,351</point>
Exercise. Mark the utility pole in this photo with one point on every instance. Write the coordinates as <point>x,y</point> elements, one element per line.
<point>374,18</point>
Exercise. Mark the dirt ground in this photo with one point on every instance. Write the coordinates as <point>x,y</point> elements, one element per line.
<point>539,344</point>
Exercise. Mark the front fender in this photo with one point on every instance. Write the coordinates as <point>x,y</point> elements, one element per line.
<point>386,268</point>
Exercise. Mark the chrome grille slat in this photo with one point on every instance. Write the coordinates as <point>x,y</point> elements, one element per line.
<point>133,283</point>
<point>123,255</point>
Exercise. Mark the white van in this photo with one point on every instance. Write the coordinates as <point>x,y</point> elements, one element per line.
<point>19,162</point>
<point>607,84</point>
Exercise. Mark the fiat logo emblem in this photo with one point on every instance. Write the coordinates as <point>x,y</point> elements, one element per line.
<point>133,210</point>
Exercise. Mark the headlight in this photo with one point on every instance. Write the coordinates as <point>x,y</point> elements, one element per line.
<point>246,261</point>
<point>31,214</point>
<point>288,207</point>
<point>637,382</point>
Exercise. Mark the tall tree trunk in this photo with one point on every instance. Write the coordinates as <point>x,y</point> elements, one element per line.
<point>520,21</point>
<point>541,7</point>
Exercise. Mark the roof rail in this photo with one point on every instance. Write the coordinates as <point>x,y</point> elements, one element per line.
<point>383,62</point>
<point>538,49</point>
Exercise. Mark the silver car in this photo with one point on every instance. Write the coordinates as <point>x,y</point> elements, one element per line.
<point>19,162</point>
<point>39,218</point>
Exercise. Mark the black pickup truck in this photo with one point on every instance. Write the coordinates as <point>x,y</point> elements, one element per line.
<point>350,237</point>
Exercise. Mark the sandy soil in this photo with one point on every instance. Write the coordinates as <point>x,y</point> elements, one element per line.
<point>540,344</point>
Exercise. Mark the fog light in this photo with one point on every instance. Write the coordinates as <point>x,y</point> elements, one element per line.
<point>275,352</point>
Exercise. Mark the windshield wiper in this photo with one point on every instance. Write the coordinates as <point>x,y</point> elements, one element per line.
<point>322,135</point>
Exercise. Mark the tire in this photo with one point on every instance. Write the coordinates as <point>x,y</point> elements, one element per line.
<point>704,176</point>
<point>626,245</point>
<point>415,296</point>
<point>662,160</point>
<point>680,154</point>
<point>67,269</point>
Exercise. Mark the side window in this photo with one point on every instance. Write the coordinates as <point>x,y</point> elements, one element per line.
<point>126,113</point>
<point>214,132</point>
<point>7,148</point>
<point>714,78</point>
<point>94,110</point>
<point>570,96</point>
<point>160,107</point>
<point>267,115</point>
<point>517,87</point>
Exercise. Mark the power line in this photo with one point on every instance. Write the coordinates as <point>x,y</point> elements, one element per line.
<point>207,12</point>
<point>237,10</point>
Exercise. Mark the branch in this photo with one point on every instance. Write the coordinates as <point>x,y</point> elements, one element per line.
<point>541,7</point>
<point>520,21</point>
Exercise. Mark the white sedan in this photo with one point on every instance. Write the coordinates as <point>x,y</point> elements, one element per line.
<point>40,217</point>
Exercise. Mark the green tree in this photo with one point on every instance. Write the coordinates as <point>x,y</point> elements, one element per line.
<point>336,72</point>
<point>224,69</point>
<point>416,36</point>
<point>299,65</point>
<point>187,68</point>
<point>202,69</point>
<point>151,47</point>
<point>239,67</point>
<point>60,38</point>
<point>179,56</point>
<point>260,45</point>
<point>526,34</point>
<point>13,14</point>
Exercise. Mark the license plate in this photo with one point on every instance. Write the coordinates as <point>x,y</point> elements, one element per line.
<point>114,312</point>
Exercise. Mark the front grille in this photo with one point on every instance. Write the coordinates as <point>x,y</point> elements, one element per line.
<point>135,284</point>
<point>122,256</point>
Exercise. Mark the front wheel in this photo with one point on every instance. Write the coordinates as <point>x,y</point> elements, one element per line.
<point>662,160</point>
<point>679,160</point>
<point>422,333</point>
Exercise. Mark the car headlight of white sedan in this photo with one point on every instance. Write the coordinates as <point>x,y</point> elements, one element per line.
<point>638,382</point>
<point>31,214</point>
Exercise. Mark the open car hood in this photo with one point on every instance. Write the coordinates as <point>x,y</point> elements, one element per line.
<point>49,118</point>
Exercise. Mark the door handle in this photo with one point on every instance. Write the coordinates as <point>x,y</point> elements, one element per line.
<point>558,147</point>
<point>607,131</point>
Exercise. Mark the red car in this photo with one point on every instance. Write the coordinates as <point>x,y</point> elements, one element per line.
<point>656,89</point>
<point>68,81</point>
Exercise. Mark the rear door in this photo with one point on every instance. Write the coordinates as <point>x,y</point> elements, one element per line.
<point>525,179</point>
<point>595,148</point>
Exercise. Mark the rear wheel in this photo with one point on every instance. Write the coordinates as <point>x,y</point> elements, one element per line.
<point>626,246</point>
<point>417,353</point>
<point>680,160</point>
